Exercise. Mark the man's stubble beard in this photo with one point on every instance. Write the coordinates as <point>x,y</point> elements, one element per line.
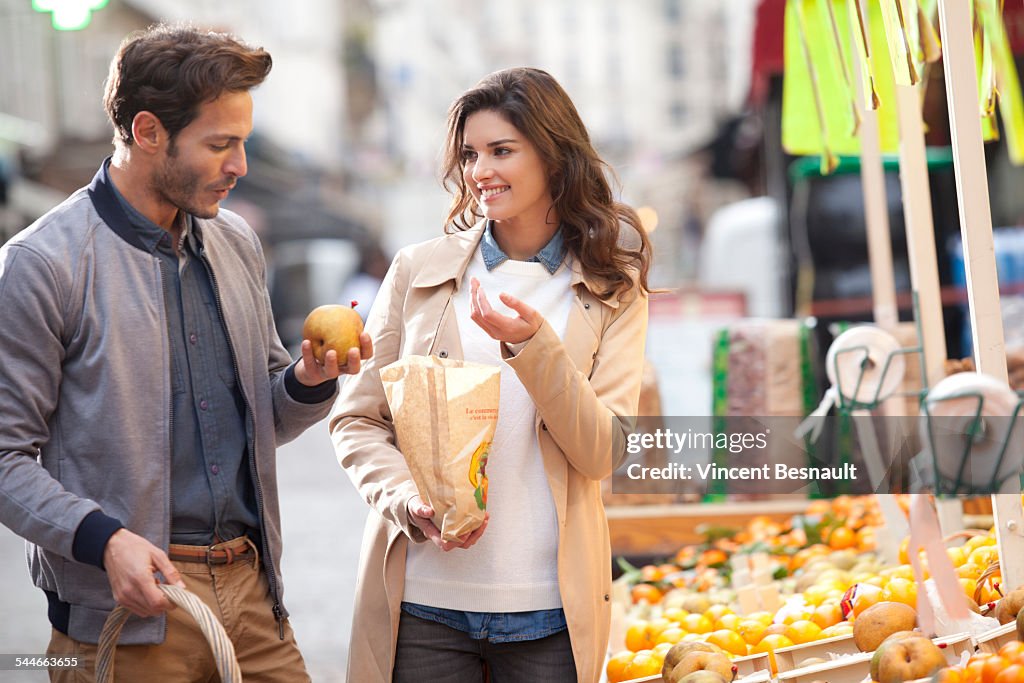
<point>179,185</point>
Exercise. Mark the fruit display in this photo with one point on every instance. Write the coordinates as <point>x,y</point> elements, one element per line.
<point>836,603</point>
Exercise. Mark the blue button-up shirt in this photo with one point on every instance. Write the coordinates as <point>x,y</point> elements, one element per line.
<point>503,627</point>
<point>551,255</point>
<point>212,490</point>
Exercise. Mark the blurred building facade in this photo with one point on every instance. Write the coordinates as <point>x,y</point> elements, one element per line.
<point>653,79</point>
<point>360,89</point>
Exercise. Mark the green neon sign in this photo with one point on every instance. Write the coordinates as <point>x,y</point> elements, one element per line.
<point>69,15</point>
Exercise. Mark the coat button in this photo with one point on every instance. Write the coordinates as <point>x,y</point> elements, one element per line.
<point>443,354</point>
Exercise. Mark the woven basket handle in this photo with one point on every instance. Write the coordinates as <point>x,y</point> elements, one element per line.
<point>223,650</point>
<point>991,569</point>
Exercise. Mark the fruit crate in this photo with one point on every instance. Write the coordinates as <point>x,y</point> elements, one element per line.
<point>850,668</point>
<point>991,641</point>
<point>757,677</point>
<point>786,658</point>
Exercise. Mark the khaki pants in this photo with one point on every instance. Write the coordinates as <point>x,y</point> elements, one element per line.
<point>239,596</point>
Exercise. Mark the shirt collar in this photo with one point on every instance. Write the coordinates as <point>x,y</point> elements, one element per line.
<point>151,234</point>
<point>551,256</point>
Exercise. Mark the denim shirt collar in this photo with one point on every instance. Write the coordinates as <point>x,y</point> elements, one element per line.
<point>551,256</point>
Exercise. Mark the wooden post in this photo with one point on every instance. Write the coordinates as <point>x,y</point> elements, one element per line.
<point>876,215</point>
<point>979,250</point>
<point>917,216</point>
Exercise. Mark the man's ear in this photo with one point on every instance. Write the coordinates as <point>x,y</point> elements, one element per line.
<point>149,134</point>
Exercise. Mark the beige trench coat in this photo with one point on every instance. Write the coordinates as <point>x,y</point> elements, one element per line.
<point>578,384</point>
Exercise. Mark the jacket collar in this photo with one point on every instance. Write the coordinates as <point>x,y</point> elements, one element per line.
<point>450,259</point>
<point>101,192</point>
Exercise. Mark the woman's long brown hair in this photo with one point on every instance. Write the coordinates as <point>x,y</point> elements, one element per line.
<point>591,218</point>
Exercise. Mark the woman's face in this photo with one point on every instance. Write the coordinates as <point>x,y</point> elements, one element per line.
<point>503,170</point>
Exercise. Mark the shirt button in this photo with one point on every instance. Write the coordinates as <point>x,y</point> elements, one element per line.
<point>607,597</point>
<point>215,469</point>
<point>543,426</point>
<point>586,306</point>
<point>193,338</point>
<point>203,404</point>
<point>443,354</point>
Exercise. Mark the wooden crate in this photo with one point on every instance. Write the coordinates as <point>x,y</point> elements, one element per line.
<point>847,669</point>
<point>759,677</point>
<point>786,658</point>
<point>991,641</point>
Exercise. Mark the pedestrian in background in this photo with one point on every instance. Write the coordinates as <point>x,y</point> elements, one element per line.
<point>525,597</point>
<point>144,388</point>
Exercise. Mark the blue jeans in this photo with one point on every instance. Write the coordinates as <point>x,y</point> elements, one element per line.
<point>429,651</point>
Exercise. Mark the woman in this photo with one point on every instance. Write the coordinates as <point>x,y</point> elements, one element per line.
<point>525,596</point>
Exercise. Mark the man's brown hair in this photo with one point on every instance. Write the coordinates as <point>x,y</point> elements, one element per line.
<point>172,69</point>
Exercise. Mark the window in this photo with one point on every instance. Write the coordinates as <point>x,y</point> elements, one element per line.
<point>676,61</point>
<point>673,11</point>
<point>677,113</point>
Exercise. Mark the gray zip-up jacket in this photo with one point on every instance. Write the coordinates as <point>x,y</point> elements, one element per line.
<point>85,391</point>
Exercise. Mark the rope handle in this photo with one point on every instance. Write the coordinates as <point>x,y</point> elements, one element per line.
<point>223,650</point>
<point>965,533</point>
<point>990,570</point>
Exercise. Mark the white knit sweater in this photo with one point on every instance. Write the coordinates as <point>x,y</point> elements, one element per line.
<point>513,567</point>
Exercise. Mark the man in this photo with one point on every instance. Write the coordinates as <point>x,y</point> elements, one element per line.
<point>143,385</point>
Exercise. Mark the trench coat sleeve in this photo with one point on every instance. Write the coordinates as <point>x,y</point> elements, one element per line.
<point>583,414</point>
<point>360,423</point>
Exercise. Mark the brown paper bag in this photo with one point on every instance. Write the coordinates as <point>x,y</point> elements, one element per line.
<point>445,412</point>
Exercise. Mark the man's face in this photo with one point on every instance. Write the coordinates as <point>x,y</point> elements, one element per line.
<point>203,161</point>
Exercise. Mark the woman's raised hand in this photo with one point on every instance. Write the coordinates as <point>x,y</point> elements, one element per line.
<point>502,327</point>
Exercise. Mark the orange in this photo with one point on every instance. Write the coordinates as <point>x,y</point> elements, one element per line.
<point>730,641</point>
<point>669,636</point>
<point>984,555</point>
<point>713,557</point>
<point>644,663</point>
<point>864,596</point>
<point>900,590</point>
<point>827,615</point>
<point>675,614</point>
<point>729,621</point>
<point>803,631</point>
<point>651,573</point>
<point>716,611</point>
<point>751,630</point>
<point>842,537</point>
<point>616,667</point>
<point>764,617</point>
<point>969,571</point>
<point>1014,673</point>
<point>843,628</point>
<point>991,668</point>
<point>639,636</point>
<point>647,592</point>
<point>949,674</point>
<point>773,642</point>
<point>1012,650</point>
<point>697,623</point>
<point>957,556</point>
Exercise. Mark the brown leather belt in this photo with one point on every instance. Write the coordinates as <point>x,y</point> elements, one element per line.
<point>241,551</point>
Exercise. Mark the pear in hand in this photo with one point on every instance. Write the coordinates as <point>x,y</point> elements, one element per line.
<point>332,327</point>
